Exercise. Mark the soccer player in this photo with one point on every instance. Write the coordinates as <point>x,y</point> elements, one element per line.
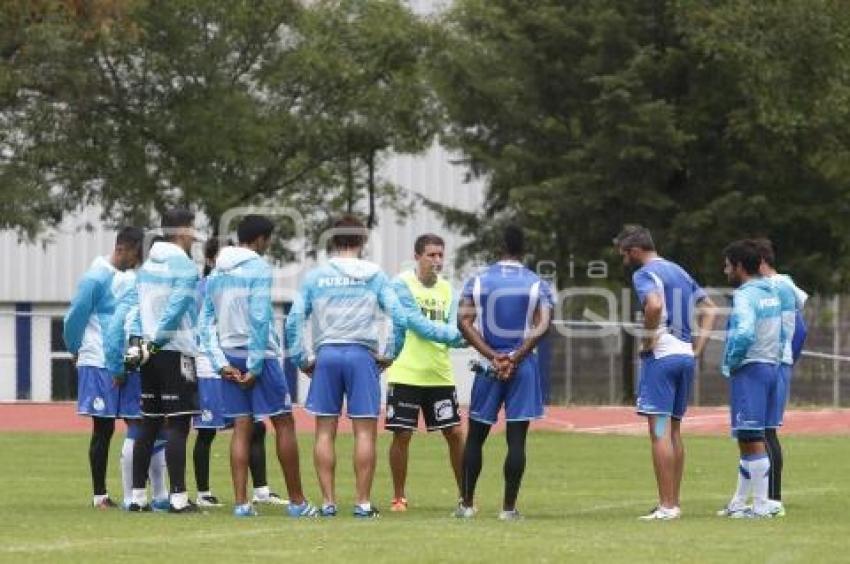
<point>753,351</point>
<point>164,344</point>
<point>342,299</point>
<point>792,300</point>
<point>669,297</point>
<point>85,325</point>
<point>421,378</point>
<point>505,310</point>
<point>245,350</point>
<point>212,419</point>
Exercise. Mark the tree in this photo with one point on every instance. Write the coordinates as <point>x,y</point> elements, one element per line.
<point>217,104</point>
<point>704,121</point>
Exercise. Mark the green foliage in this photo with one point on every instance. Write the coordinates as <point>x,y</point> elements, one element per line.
<point>705,121</point>
<point>214,103</point>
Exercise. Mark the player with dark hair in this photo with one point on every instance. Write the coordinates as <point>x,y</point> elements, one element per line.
<point>84,328</point>
<point>343,299</point>
<point>163,344</point>
<point>754,344</point>
<point>238,338</point>
<point>792,299</point>
<point>505,310</point>
<point>421,378</point>
<point>670,299</point>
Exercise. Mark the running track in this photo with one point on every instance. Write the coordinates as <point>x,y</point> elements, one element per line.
<point>60,417</point>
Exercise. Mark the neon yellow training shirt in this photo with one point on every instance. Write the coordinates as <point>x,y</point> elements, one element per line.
<point>424,359</point>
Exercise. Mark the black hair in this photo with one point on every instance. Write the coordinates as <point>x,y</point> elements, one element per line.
<point>743,253</point>
<point>174,218</point>
<point>252,227</point>
<point>427,239</point>
<point>349,233</point>
<point>765,249</point>
<point>132,237</point>
<point>513,240</point>
<point>635,237</point>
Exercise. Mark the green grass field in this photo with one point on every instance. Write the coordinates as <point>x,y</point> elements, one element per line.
<point>581,496</point>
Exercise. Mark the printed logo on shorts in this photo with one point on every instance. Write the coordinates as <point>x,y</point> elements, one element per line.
<point>444,410</point>
<point>98,404</point>
<point>206,415</point>
<point>390,412</point>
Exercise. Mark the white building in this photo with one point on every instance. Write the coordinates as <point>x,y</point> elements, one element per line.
<point>38,281</point>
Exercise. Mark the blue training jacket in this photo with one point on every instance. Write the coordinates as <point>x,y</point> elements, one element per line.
<point>755,326</point>
<point>343,298</point>
<point>91,310</point>
<point>237,310</point>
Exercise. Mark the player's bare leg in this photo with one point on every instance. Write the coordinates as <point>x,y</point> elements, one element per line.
<point>324,456</point>
<point>455,440</point>
<point>679,453</point>
<point>663,459</point>
<point>287,455</point>
<point>240,450</point>
<point>365,457</point>
<point>399,450</point>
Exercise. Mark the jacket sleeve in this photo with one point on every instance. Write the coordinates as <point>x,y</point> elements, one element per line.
<point>115,338</point>
<point>208,335</point>
<point>433,331</point>
<point>88,293</point>
<point>183,299</point>
<point>260,319</point>
<point>301,309</point>
<point>389,303</point>
<point>741,335</point>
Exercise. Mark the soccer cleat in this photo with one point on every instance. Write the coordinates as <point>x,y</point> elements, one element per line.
<point>736,511</point>
<point>161,505</point>
<point>399,504</point>
<point>328,510</point>
<point>768,509</point>
<point>188,508</point>
<point>139,508</point>
<point>464,512</point>
<point>371,513</point>
<point>104,503</point>
<point>208,501</point>
<point>661,513</point>
<point>271,499</point>
<point>304,509</point>
<point>512,515</point>
<point>246,510</point>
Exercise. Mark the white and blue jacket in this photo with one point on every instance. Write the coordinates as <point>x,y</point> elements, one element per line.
<point>754,332</point>
<point>118,328</point>
<point>791,300</point>
<point>237,310</point>
<point>91,311</point>
<point>167,300</point>
<point>343,299</point>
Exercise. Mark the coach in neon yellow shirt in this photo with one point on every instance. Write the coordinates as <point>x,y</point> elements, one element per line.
<point>421,378</point>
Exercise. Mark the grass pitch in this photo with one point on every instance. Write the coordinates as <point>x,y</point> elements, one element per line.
<point>581,496</point>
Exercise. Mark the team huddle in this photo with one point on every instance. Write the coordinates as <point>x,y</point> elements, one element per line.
<point>166,349</point>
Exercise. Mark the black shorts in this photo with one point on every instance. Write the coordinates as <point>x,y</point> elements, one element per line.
<point>169,385</point>
<point>438,405</point>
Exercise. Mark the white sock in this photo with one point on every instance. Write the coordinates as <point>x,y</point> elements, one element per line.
<point>179,500</point>
<point>205,494</point>
<point>97,499</point>
<point>262,492</point>
<point>742,493</point>
<point>127,469</point>
<point>157,472</point>
<point>759,470</point>
<point>365,506</point>
<point>140,496</point>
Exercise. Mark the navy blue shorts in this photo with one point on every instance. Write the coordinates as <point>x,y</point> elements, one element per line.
<point>269,396</point>
<point>783,392</point>
<point>345,371</point>
<point>753,397</point>
<point>522,394</point>
<point>97,395</point>
<point>130,396</point>
<point>664,385</point>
